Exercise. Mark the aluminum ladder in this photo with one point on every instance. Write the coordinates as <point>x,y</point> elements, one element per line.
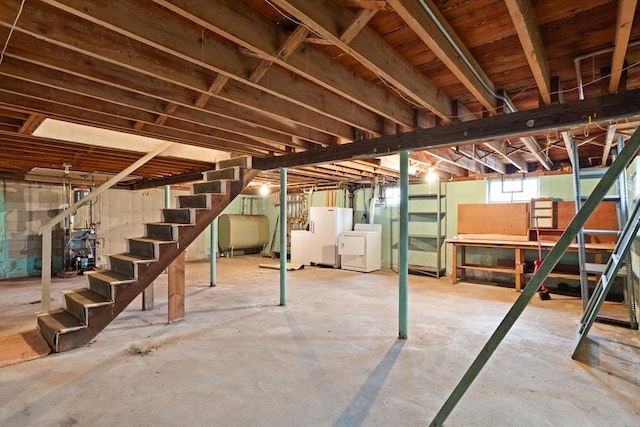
<point>608,276</point>
<point>618,166</point>
<point>623,214</point>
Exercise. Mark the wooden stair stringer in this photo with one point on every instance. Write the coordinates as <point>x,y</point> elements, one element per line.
<point>100,317</point>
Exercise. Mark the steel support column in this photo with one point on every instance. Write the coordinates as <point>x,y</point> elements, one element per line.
<point>45,296</point>
<point>213,252</point>
<point>403,245</point>
<point>167,205</point>
<point>283,236</point>
<point>532,287</point>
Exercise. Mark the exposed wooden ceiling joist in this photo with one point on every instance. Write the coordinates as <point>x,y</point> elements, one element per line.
<point>442,165</point>
<point>280,77</point>
<point>324,18</point>
<point>626,11</point>
<point>514,158</point>
<point>456,158</point>
<point>524,19</point>
<point>429,32</point>
<point>558,116</point>
<point>235,21</point>
<point>175,37</point>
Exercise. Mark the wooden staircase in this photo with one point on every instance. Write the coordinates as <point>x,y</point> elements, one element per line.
<point>88,311</point>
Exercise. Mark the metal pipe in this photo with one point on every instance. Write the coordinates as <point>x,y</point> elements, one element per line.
<point>464,57</point>
<point>403,245</point>
<point>578,59</point>
<point>507,102</point>
<point>283,236</point>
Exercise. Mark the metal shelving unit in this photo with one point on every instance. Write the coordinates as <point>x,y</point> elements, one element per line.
<point>427,232</point>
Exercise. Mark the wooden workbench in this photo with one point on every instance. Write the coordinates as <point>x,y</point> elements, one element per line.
<point>459,245</point>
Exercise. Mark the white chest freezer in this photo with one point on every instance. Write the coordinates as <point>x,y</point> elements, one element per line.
<point>361,249</point>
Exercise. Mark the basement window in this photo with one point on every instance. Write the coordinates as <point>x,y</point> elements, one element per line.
<point>392,196</point>
<point>512,190</point>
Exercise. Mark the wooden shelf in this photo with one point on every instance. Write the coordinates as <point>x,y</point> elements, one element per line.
<point>494,268</point>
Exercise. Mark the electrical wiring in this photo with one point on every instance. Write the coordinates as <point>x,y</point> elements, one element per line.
<point>412,103</point>
<point>13,27</point>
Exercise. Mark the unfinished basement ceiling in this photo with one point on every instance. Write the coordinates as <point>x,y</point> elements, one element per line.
<point>275,77</point>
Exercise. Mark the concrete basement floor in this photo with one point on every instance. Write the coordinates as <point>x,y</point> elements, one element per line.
<point>329,358</point>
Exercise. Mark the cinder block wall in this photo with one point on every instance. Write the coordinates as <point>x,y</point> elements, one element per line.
<point>23,209</point>
<point>117,214</point>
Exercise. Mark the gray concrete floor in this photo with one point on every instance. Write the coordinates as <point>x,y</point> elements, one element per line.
<point>329,358</point>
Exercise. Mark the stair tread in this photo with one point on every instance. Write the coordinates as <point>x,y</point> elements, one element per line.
<point>87,297</point>
<point>126,256</point>
<point>151,240</point>
<point>61,320</point>
<point>112,277</point>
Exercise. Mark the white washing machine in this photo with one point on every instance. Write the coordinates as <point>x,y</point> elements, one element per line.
<point>361,249</point>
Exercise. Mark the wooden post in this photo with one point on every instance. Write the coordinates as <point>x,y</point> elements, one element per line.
<point>176,289</point>
<point>147,298</point>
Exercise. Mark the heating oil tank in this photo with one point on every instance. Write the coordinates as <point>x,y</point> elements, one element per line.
<point>241,232</point>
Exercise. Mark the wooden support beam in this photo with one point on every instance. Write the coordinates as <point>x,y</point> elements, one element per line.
<point>327,19</point>
<point>514,158</point>
<point>104,187</point>
<point>147,298</point>
<point>359,22</point>
<point>168,111</point>
<point>626,11</point>
<point>260,71</point>
<point>31,124</point>
<point>181,41</point>
<point>215,88</point>
<point>473,78</point>
<point>248,28</point>
<point>568,144</point>
<point>608,141</point>
<point>367,4</point>
<point>519,124</point>
<point>448,155</point>
<point>482,157</point>
<point>432,160</point>
<point>291,44</point>
<point>524,19</point>
<point>176,288</point>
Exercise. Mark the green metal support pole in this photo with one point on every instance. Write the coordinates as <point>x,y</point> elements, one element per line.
<point>45,296</point>
<point>167,205</point>
<point>283,236</point>
<point>213,234</point>
<point>403,245</point>
<point>550,261</point>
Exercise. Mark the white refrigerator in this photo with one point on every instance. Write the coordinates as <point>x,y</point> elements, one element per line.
<point>319,245</point>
